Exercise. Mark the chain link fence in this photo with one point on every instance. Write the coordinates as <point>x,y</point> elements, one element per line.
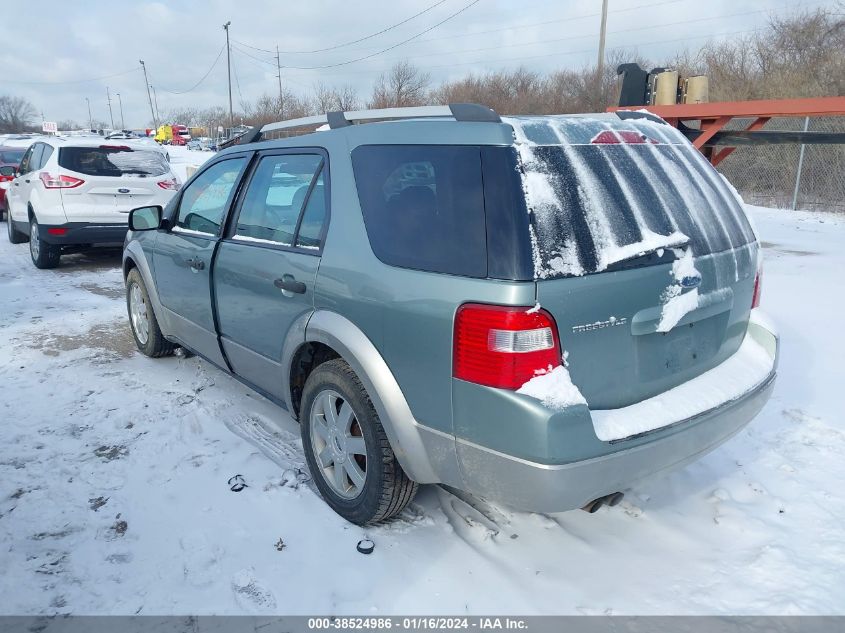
<point>769,176</point>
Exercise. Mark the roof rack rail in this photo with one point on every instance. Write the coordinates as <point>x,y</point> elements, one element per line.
<point>459,111</point>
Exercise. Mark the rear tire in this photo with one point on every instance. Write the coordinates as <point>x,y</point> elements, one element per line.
<point>15,236</point>
<point>43,255</point>
<point>142,319</point>
<point>341,432</point>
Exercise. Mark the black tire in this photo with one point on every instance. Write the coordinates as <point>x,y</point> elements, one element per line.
<point>15,236</point>
<point>43,255</point>
<point>386,489</point>
<point>155,344</point>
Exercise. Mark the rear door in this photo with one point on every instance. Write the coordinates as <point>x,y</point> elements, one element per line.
<point>644,256</point>
<point>265,270</point>
<point>183,255</point>
<point>116,179</point>
<point>22,185</point>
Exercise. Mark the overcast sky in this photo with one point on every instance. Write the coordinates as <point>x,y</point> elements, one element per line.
<point>64,41</point>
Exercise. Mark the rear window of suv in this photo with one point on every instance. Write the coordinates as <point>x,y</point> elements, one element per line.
<point>113,161</point>
<point>423,206</point>
<point>601,193</point>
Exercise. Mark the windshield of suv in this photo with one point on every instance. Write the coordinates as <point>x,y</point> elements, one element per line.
<point>602,192</point>
<point>113,161</point>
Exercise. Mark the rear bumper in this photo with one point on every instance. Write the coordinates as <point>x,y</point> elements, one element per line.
<point>554,487</point>
<point>76,233</point>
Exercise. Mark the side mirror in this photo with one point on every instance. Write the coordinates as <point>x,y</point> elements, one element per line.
<point>7,170</point>
<point>145,218</point>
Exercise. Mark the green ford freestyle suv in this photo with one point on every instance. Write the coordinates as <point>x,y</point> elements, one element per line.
<point>537,310</point>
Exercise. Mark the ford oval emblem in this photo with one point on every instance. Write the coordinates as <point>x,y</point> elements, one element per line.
<point>690,281</point>
<point>122,190</point>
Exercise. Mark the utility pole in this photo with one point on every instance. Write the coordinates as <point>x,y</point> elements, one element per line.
<point>120,102</point>
<point>111,114</point>
<point>229,66</point>
<point>279,75</point>
<point>155,98</point>
<point>90,118</point>
<point>602,34</point>
<point>147,83</point>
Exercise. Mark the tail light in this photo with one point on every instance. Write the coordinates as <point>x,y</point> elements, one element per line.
<point>59,182</point>
<point>503,346</point>
<point>758,288</point>
<point>57,231</point>
<point>6,178</point>
<point>171,184</point>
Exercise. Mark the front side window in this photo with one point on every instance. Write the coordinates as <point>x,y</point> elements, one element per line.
<point>26,160</point>
<point>280,188</point>
<point>204,201</point>
<point>423,206</point>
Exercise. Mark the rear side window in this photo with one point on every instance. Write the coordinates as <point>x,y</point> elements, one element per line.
<point>113,161</point>
<point>45,156</point>
<point>35,157</point>
<point>423,206</point>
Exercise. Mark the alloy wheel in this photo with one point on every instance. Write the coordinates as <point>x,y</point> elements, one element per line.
<point>34,240</point>
<point>138,313</point>
<point>338,444</point>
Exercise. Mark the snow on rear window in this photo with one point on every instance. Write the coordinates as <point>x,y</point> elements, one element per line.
<point>113,161</point>
<point>602,191</point>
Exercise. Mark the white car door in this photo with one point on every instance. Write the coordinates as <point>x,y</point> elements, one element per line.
<point>18,193</point>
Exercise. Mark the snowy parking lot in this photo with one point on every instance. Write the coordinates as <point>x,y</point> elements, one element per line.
<point>114,471</point>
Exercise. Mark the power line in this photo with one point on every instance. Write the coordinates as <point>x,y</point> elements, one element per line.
<point>204,77</point>
<point>389,48</point>
<point>576,37</point>
<point>546,22</point>
<point>555,54</point>
<point>359,40</point>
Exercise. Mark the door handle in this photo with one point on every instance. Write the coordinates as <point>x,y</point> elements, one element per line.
<point>288,284</point>
<point>196,263</point>
<point>27,180</point>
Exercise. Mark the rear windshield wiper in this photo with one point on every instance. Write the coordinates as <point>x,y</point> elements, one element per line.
<point>649,256</point>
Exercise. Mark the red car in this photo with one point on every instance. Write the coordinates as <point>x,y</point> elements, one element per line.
<point>10,158</point>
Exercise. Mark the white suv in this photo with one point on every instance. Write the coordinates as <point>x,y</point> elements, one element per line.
<point>72,193</point>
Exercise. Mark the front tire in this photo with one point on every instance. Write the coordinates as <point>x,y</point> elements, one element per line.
<point>15,236</point>
<point>43,255</point>
<point>142,319</point>
<point>347,450</point>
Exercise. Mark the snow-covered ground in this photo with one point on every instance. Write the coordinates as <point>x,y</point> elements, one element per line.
<point>114,495</point>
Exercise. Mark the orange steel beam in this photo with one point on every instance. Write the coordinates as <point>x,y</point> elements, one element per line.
<point>708,128</point>
<point>714,116</point>
<point>813,106</point>
<point>718,157</point>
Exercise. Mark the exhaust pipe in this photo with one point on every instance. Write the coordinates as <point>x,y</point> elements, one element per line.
<point>612,499</point>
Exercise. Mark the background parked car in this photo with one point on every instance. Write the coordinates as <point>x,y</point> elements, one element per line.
<point>72,193</point>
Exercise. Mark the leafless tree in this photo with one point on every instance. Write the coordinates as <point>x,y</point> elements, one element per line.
<point>328,98</point>
<point>16,114</point>
<point>403,85</point>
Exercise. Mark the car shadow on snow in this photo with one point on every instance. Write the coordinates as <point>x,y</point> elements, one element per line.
<point>92,260</point>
